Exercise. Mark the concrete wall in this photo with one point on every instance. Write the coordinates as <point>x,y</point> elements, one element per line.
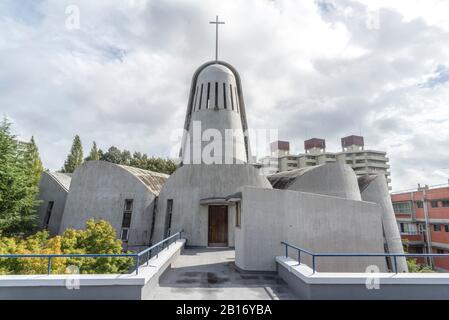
<point>313,222</point>
<point>99,190</point>
<point>51,190</point>
<point>353,286</point>
<point>216,117</point>
<point>191,183</point>
<point>91,287</point>
<point>377,191</point>
<point>332,179</point>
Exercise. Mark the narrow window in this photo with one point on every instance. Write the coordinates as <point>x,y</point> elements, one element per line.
<point>216,94</point>
<point>434,204</point>
<point>445,203</point>
<point>437,227</point>
<point>48,214</point>
<point>232,97</point>
<point>446,228</point>
<point>201,97</point>
<point>419,204</point>
<point>238,217</point>
<point>237,100</point>
<point>126,221</point>
<point>194,100</point>
<point>169,217</point>
<point>124,235</point>
<point>224,96</point>
<point>208,95</point>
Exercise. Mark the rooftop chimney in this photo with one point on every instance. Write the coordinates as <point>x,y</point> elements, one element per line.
<point>352,143</point>
<point>280,148</point>
<point>315,145</point>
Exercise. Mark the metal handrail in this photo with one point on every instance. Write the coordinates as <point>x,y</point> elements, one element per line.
<point>314,255</point>
<point>136,256</point>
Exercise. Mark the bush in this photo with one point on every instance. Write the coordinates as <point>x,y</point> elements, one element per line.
<point>414,267</point>
<point>98,238</point>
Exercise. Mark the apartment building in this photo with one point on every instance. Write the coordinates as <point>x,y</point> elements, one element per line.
<point>353,153</point>
<point>423,219</point>
<point>270,164</point>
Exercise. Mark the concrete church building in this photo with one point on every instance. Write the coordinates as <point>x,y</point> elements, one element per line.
<point>53,190</point>
<point>125,196</point>
<point>220,199</point>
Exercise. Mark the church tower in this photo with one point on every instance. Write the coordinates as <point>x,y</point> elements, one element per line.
<point>215,125</point>
<point>215,161</point>
<point>215,129</point>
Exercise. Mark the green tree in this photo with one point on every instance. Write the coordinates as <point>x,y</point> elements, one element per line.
<point>75,158</point>
<point>139,160</point>
<point>32,162</point>
<point>94,153</point>
<point>18,187</point>
<point>113,155</point>
<point>126,158</point>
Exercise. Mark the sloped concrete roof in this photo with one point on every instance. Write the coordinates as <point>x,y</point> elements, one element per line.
<point>152,180</point>
<point>64,179</point>
<point>283,180</point>
<point>364,181</point>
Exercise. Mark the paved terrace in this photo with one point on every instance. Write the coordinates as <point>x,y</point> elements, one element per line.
<point>211,274</point>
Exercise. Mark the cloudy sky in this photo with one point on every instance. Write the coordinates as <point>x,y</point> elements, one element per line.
<point>325,68</point>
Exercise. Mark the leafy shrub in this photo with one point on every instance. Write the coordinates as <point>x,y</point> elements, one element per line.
<point>98,238</point>
<point>414,267</point>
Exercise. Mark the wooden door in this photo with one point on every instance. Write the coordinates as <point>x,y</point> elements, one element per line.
<point>218,226</point>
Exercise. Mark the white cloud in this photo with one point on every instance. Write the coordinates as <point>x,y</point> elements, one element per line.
<point>310,68</point>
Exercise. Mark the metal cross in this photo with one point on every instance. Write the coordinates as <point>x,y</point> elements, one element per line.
<point>216,22</point>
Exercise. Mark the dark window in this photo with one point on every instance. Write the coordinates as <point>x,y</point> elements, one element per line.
<point>224,96</point>
<point>446,227</point>
<point>237,99</point>
<point>128,205</point>
<point>194,100</point>
<point>402,227</point>
<point>419,204</point>
<point>440,251</point>
<point>238,217</point>
<point>201,97</point>
<point>208,95</point>
<point>48,213</point>
<point>434,204</point>
<point>232,96</point>
<point>127,213</point>
<point>126,222</point>
<point>124,235</point>
<point>216,94</point>
<point>445,203</point>
<point>437,227</point>
<point>169,216</point>
<point>402,207</point>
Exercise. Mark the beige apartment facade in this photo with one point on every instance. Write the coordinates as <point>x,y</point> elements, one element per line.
<point>364,162</point>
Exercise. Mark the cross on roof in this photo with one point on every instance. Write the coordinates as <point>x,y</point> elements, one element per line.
<point>216,22</point>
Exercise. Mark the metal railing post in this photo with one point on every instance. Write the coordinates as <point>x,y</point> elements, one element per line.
<point>313,263</point>
<point>286,250</point>
<point>395,265</point>
<point>137,264</point>
<point>299,256</point>
<point>49,265</point>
